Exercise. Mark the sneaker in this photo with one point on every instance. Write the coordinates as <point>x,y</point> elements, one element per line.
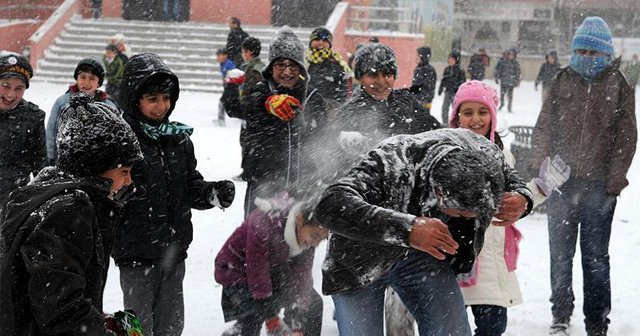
<point>234,330</point>
<point>559,327</point>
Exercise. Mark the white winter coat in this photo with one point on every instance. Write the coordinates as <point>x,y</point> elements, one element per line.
<point>495,284</point>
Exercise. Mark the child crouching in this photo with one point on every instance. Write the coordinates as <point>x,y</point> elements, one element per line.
<point>266,265</point>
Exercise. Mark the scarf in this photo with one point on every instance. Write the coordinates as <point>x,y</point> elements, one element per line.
<point>166,128</point>
<point>317,56</point>
<point>589,66</point>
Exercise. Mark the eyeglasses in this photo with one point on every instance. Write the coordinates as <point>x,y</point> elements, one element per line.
<point>280,66</point>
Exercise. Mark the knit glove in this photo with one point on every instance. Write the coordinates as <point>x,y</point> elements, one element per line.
<point>234,76</point>
<point>282,106</point>
<point>222,194</point>
<point>553,174</point>
<point>123,323</point>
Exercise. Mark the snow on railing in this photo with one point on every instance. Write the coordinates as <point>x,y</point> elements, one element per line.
<point>52,20</point>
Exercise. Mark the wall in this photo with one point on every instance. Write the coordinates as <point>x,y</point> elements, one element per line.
<point>250,12</point>
<point>50,29</point>
<point>28,9</point>
<point>13,36</point>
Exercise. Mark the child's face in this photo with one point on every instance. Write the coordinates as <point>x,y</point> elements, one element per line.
<point>155,106</point>
<point>246,55</point>
<point>87,82</point>
<point>286,72</point>
<point>221,58</point>
<point>320,44</point>
<point>11,92</point>
<point>475,116</point>
<point>309,236</point>
<point>109,54</point>
<point>451,61</point>
<point>379,85</point>
<point>119,177</point>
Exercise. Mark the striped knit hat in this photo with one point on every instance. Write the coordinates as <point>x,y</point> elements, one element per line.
<point>593,34</point>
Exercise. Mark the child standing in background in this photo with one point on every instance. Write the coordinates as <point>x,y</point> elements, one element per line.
<point>114,72</point>
<point>492,284</point>
<point>226,64</point>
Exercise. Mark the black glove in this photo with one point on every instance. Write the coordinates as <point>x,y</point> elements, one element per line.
<point>222,194</point>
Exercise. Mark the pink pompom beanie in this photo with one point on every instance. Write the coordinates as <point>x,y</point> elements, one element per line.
<point>479,92</point>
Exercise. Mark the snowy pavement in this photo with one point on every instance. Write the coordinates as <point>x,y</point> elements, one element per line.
<point>218,154</point>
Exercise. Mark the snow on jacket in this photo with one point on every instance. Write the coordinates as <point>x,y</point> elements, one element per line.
<point>57,233</point>
<point>508,73</point>
<point>60,104</point>
<point>157,225</point>
<point>370,211</point>
<point>263,254</point>
<point>590,124</point>
<point>22,136</point>
<point>452,78</point>
<point>424,76</point>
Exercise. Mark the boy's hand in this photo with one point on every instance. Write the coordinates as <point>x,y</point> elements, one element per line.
<point>511,209</point>
<point>282,106</point>
<point>222,194</point>
<point>432,236</point>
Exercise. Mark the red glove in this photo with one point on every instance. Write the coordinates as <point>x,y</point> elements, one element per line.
<point>235,76</point>
<point>282,106</point>
<point>274,326</point>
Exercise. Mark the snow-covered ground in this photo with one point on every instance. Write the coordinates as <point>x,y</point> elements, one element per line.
<point>218,154</point>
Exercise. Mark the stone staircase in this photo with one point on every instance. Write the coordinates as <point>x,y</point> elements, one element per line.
<point>187,48</point>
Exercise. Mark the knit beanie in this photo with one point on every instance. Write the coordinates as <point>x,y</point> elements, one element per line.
<point>90,65</point>
<point>593,34</point>
<point>16,66</point>
<point>373,58</point>
<point>93,138</point>
<point>321,33</point>
<point>286,44</point>
<point>479,92</point>
<point>424,53</point>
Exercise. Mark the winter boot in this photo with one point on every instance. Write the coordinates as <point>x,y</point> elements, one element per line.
<point>559,327</point>
<point>234,330</point>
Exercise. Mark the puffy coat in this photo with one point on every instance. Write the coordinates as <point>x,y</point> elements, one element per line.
<point>330,79</point>
<point>478,65</point>
<point>22,136</point>
<point>59,105</point>
<point>263,254</point>
<point>507,72</point>
<point>452,78</point>
<point>425,77</point>
<point>590,124</point>
<point>57,233</point>
<point>157,225</point>
<point>370,211</point>
<point>234,44</point>
<point>546,74</point>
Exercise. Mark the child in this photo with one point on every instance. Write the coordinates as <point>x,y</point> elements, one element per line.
<point>151,247</point>
<point>266,265</point>
<point>226,64</point>
<point>452,78</point>
<point>424,78</point>
<point>115,70</point>
<point>57,231</point>
<point>89,75</point>
<point>22,133</point>
<point>507,73</point>
<point>492,285</point>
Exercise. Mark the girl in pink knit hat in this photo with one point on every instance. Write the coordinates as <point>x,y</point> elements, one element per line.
<point>492,285</point>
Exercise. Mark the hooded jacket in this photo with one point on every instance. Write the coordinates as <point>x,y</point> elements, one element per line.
<point>371,210</point>
<point>424,76</point>
<point>52,276</point>
<point>590,124</point>
<point>157,225</point>
<point>22,136</point>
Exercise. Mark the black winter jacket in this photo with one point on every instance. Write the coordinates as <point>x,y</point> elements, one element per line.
<point>157,225</point>
<point>22,135</point>
<point>370,211</point>
<point>507,72</point>
<point>234,45</point>
<point>424,76</point>
<point>478,65</point>
<point>330,80</point>
<point>57,233</point>
<point>272,144</point>
<point>452,78</point>
<point>547,73</point>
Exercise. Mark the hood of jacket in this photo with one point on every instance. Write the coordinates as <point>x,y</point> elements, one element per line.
<point>137,72</point>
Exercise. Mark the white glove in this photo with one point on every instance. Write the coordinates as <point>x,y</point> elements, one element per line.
<point>553,174</point>
<point>353,142</point>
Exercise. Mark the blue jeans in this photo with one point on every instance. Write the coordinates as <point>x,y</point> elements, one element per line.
<point>426,286</point>
<point>490,320</point>
<point>171,10</point>
<point>584,207</point>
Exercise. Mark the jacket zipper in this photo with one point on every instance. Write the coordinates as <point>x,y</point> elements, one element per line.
<point>584,119</point>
